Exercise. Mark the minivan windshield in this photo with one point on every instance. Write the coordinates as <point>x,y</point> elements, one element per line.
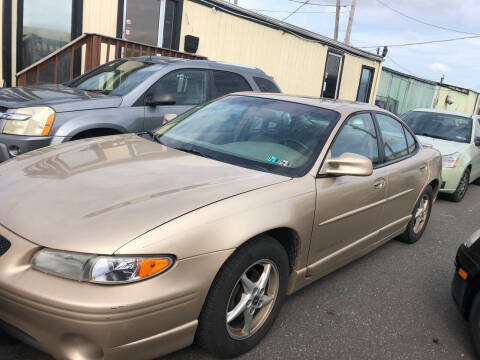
<point>440,126</point>
<point>269,135</point>
<point>116,78</point>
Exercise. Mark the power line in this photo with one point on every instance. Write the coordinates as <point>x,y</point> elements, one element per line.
<point>400,66</point>
<point>424,22</point>
<point>422,42</point>
<point>317,4</point>
<point>298,8</point>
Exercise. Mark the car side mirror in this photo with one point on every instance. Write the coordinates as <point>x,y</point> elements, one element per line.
<point>477,141</point>
<point>349,164</point>
<point>168,117</point>
<point>159,99</point>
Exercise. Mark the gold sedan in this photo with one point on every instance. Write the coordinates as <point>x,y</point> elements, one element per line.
<point>134,246</point>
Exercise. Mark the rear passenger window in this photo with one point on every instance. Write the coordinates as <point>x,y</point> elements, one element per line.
<point>395,144</point>
<point>412,144</point>
<point>266,85</point>
<point>357,136</point>
<point>225,82</point>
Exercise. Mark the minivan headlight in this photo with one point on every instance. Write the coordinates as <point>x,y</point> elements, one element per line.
<point>29,121</point>
<point>98,268</point>
<point>450,161</point>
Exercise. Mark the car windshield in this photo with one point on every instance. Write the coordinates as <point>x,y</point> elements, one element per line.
<point>275,136</point>
<point>440,126</point>
<point>116,78</point>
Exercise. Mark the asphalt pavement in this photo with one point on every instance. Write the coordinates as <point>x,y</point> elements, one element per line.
<point>394,303</point>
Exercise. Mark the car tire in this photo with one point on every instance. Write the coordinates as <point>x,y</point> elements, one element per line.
<point>474,323</point>
<point>6,339</point>
<point>222,329</point>
<point>477,182</point>
<point>462,188</point>
<point>420,217</point>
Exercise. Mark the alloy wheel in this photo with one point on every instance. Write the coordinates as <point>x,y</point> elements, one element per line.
<point>252,299</point>
<point>421,214</point>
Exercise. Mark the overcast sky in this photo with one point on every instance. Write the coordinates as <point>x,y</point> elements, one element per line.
<point>375,24</point>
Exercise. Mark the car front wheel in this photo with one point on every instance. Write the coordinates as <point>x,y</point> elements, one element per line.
<point>474,321</point>
<point>245,298</point>
<point>462,188</point>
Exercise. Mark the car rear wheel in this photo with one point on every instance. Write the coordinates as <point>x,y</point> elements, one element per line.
<point>474,321</point>
<point>245,298</point>
<point>462,188</point>
<point>420,217</point>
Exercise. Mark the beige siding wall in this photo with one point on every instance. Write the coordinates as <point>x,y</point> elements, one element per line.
<point>296,64</point>
<point>100,17</point>
<point>352,70</point>
<point>2,80</point>
<point>463,102</point>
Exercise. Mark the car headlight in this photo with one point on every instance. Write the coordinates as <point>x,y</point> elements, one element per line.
<point>450,161</point>
<point>98,268</point>
<point>29,121</point>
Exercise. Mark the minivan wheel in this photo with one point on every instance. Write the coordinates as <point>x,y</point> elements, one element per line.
<point>420,217</point>
<point>245,298</point>
<point>474,320</point>
<point>462,188</point>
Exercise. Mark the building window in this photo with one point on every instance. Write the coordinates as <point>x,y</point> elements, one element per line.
<point>152,22</point>
<point>333,73</point>
<point>365,85</point>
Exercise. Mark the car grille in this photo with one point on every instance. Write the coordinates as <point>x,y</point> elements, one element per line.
<point>4,245</point>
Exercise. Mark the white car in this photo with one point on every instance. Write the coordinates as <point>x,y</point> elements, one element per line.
<point>457,136</point>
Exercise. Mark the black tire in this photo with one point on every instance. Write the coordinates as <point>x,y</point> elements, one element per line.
<point>212,333</point>
<point>6,339</point>
<point>462,188</point>
<point>477,182</point>
<point>410,236</point>
<point>474,320</point>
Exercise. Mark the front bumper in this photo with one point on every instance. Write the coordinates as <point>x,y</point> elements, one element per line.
<point>82,321</point>
<point>462,289</point>
<point>12,145</point>
<point>451,177</point>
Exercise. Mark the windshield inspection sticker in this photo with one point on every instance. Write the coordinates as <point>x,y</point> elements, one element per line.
<point>275,160</point>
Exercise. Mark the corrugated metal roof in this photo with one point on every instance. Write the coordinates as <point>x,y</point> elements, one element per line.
<point>294,30</point>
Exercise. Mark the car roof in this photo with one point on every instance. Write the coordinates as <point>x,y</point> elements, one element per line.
<point>210,64</point>
<point>341,106</point>
<point>446,112</point>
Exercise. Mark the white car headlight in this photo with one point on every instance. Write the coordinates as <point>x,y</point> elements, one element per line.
<point>29,121</point>
<point>450,161</point>
<point>98,268</point>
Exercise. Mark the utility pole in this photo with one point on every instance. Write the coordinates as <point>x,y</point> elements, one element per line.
<point>350,22</point>
<point>337,20</point>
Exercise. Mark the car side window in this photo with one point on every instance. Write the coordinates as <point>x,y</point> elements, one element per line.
<point>357,136</point>
<point>411,143</point>
<point>477,128</point>
<point>395,144</point>
<point>266,85</point>
<point>225,82</point>
<point>188,87</point>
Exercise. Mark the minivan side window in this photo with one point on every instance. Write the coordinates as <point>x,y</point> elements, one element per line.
<point>188,87</point>
<point>395,144</point>
<point>225,82</point>
<point>266,85</point>
<point>357,136</point>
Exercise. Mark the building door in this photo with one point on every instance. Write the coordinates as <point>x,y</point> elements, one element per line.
<point>333,72</point>
<point>365,85</point>
<point>151,22</point>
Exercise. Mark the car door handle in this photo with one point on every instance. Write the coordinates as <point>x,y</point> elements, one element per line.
<point>379,183</point>
<point>423,167</point>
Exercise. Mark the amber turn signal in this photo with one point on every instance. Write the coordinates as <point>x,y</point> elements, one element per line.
<point>462,273</point>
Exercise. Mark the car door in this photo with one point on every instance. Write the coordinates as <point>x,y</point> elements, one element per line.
<point>406,175</point>
<point>187,86</point>
<point>476,150</point>
<point>349,209</point>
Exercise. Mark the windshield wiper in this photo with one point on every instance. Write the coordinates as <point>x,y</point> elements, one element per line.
<point>196,152</point>
<point>152,134</point>
<point>435,136</point>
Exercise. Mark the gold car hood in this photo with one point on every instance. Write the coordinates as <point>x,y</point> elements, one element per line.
<point>96,195</point>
